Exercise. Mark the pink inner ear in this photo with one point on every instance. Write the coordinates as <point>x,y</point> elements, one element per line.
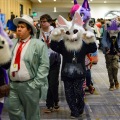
<point>78,19</point>
<point>61,20</point>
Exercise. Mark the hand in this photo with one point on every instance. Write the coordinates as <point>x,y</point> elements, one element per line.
<point>4,90</point>
<point>107,50</point>
<point>88,37</point>
<point>57,33</point>
<point>118,53</point>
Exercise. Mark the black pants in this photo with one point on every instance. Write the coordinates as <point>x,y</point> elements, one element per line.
<point>75,95</point>
<point>53,82</point>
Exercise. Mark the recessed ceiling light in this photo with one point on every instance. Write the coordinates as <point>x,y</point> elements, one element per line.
<point>91,0</point>
<point>72,2</point>
<point>39,1</point>
<point>54,0</point>
<point>55,9</point>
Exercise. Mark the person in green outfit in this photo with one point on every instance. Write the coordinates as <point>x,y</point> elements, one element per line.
<point>28,72</point>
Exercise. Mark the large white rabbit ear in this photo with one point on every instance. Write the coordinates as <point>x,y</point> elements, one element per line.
<point>77,19</point>
<point>62,21</point>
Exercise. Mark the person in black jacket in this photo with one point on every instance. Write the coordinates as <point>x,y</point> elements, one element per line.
<point>73,43</point>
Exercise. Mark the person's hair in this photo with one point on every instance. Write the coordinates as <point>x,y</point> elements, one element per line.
<point>12,17</point>
<point>28,27</point>
<point>47,17</point>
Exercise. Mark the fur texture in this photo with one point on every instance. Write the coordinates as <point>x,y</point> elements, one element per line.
<point>5,35</point>
<point>72,32</point>
<point>5,53</point>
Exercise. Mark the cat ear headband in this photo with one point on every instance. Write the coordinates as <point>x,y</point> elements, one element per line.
<point>112,25</point>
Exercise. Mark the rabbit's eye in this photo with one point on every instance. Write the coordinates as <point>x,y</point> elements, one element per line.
<point>3,42</point>
<point>75,31</point>
<point>67,32</point>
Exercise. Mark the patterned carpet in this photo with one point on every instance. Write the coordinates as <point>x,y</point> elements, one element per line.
<point>102,105</point>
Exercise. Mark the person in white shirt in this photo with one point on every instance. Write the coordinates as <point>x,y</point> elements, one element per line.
<point>55,60</point>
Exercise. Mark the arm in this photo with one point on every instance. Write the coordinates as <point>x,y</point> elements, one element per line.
<point>57,46</point>
<point>43,69</point>
<point>105,44</point>
<point>6,65</point>
<point>91,47</point>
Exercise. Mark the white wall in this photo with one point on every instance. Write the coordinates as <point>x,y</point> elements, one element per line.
<point>97,11</point>
<point>52,14</point>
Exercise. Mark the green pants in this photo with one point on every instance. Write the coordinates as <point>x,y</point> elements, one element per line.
<point>23,102</point>
<point>112,68</point>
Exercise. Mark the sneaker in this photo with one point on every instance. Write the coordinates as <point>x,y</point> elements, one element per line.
<point>56,107</point>
<point>48,110</point>
<point>111,88</point>
<point>117,85</point>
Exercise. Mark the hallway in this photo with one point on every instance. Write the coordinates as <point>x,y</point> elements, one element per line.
<point>102,105</point>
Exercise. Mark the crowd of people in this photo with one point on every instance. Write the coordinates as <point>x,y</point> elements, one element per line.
<point>39,49</point>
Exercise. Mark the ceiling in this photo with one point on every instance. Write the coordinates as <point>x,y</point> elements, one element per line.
<point>79,1</point>
<point>63,5</point>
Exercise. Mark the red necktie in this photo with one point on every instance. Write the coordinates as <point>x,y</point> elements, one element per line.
<point>18,56</point>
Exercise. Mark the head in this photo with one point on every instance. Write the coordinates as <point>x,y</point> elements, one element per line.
<point>25,26</point>
<point>98,24</point>
<point>85,11</point>
<point>45,21</point>
<point>5,35</point>
<point>91,23</point>
<point>113,27</point>
<point>12,16</point>
<point>73,32</point>
<point>5,45</point>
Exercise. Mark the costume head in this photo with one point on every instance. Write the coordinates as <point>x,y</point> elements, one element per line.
<point>73,32</point>
<point>85,11</point>
<point>74,8</point>
<point>26,19</point>
<point>113,27</point>
<point>5,45</point>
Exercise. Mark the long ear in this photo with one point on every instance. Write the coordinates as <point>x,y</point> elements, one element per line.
<point>77,19</point>
<point>75,2</point>
<point>62,21</point>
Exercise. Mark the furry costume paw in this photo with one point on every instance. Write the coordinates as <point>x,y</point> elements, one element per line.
<point>88,37</point>
<point>4,90</point>
<point>57,34</point>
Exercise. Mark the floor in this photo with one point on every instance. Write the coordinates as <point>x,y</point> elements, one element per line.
<point>102,105</point>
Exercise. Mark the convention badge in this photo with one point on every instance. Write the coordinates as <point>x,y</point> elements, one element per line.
<point>14,67</point>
